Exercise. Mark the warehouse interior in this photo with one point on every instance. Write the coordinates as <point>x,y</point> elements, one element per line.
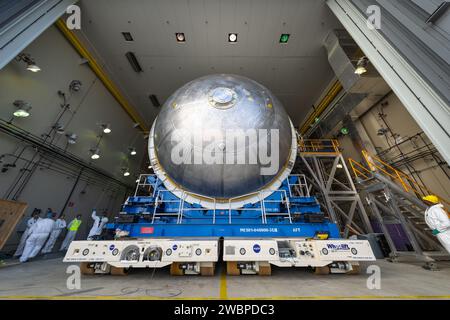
<point>77,106</point>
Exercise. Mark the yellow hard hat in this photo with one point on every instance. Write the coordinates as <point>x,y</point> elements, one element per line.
<point>431,198</point>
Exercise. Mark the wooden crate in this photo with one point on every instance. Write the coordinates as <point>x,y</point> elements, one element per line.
<point>11,212</point>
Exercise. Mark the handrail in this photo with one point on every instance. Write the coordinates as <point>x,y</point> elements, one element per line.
<point>315,146</point>
<point>375,164</point>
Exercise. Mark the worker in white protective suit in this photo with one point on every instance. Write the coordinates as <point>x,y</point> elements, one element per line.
<point>34,218</point>
<point>60,225</point>
<point>39,233</point>
<point>72,230</point>
<point>99,224</point>
<point>438,220</point>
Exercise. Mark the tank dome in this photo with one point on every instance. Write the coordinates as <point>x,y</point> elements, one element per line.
<point>210,137</point>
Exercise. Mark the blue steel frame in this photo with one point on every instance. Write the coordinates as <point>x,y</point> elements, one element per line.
<point>285,213</point>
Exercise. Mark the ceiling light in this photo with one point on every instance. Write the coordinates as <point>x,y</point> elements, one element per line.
<point>361,66</point>
<point>33,68</point>
<point>95,154</point>
<point>232,37</point>
<point>382,132</point>
<point>180,37</point>
<point>137,180</point>
<point>126,173</point>
<point>21,113</point>
<point>132,151</point>
<point>106,128</point>
<point>59,129</point>
<point>71,138</point>
<point>75,85</point>
<point>149,167</point>
<point>31,65</point>
<point>284,38</point>
<point>23,109</point>
<point>339,166</point>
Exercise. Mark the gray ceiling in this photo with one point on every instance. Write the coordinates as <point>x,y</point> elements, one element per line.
<point>296,72</point>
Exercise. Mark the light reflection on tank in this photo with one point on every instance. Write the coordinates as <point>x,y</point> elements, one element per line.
<point>222,103</point>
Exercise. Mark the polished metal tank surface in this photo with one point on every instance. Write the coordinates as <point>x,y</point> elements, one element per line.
<point>222,103</point>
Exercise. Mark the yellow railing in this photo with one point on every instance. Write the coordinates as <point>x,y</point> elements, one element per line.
<point>325,103</point>
<point>375,164</point>
<point>318,146</point>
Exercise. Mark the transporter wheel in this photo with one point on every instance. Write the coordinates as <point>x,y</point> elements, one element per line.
<point>322,270</point>
<point>119,271</point>
<point>175,269</point>
<point>86,269</point>
<point>265,269</point>
<point>232,268</point>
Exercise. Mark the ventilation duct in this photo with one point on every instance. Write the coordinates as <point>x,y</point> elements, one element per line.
<point>361,91</point>
<point>342,66</point>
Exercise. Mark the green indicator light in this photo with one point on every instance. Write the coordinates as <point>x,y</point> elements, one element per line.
<point>344,131</point>
<point>284,38</point>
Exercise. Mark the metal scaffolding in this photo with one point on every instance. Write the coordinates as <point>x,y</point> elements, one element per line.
<point>323,161</point>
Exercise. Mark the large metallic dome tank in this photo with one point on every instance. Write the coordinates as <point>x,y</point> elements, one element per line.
<point>222,103</point>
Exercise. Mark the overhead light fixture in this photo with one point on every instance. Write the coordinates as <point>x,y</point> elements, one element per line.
<point>33,68</point>
<point>339,166</point>
<point>149,167</point>
<point>95,154</point>
<point>106,128</point>
<point>137,180</point>
<point>75,85</point>
<point>31,64</point>
<point>232,37</point>
<point>132,151</point>
<point>284,38</point>
<point>133,62</point>
<point>180,37</point>
<point>59,129</point>
<point>361,66</point>
<point>71,138</point>
<point>382,132</point>
<point>126,173</point>
<point>23,109</point>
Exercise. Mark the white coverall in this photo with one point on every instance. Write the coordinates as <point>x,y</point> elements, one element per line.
<point>437,219</point>
<point>60,224</point>
<point>25,235</point>
<point>39,232</point>
<point>70,236</point>
<point>98,225</point>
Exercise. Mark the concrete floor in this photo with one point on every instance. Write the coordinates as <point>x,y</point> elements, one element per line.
<point>46,278</point>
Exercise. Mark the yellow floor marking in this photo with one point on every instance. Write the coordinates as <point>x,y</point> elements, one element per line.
<point>224,296</point>
<point>223,284</point>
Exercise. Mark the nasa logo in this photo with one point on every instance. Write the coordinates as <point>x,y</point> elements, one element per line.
<point>175,247</point>
<point>256,248</point>
<point>111,247</point>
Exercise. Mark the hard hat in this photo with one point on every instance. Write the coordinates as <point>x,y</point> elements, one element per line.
<point>431,198</point>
